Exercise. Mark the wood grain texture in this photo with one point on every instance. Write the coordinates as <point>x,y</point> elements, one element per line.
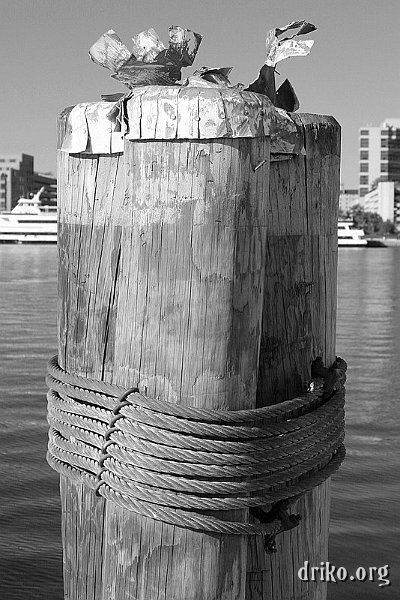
<point>158,246</point>
<point>82,536</point>
<point>299,321</point>
<point>161,271</point>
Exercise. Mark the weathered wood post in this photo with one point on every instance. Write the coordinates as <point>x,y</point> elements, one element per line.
<point>299,324</point>
<point>162,252</point>
<point>185,269</point>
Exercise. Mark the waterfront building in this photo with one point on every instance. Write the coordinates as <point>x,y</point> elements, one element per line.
<point>349,198</point>
<point>49,182</point>
<point>379,154</point>
<point>385,201</point>
<point>18,179</point>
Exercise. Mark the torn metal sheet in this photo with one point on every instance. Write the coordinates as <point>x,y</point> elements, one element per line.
<point>95,128</point>
<point>216,75</point>
<point>265,83</point>
<point>112,97</point>
<point>183,45</point>
<point>205,106</point>
<point>278,50</point>
<point>302,26</point>
<point>76,135</point>
<point>175,112</point>
<point>151,62</point>
<point>283,136</point>
<point>109,51</point>
<point>99,128</point>
<point>208,113</point>
<point>139,73</point>
<point>286,97</point>
<point>167,122</point>
<point>212,120</point>
<point>147,46</point>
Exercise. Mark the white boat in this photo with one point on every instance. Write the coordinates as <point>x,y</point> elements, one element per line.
<point>29,221</point>
<point>350,236</point>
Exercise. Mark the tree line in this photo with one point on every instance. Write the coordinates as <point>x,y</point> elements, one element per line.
<point>372,223</point>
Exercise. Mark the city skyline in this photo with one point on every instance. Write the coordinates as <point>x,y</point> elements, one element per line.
<point>46,67</point>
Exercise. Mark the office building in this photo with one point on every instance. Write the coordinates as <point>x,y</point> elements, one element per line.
<point>19,180</point>
<point>16,179</point>
<point>385,201</point>
<point>379,156</point>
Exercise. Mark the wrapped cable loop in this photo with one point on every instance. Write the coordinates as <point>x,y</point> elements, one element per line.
<point>178,464</point>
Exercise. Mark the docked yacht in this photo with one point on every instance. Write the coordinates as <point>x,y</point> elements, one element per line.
<point>348,235</point>
<point>29,221</point>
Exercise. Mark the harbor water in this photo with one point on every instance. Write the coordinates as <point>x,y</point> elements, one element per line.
<point>364,526</point>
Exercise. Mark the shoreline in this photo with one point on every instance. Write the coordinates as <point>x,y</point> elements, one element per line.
<point>386,241</point>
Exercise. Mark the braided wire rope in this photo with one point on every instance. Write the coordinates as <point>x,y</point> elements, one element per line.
<point>177,464</point>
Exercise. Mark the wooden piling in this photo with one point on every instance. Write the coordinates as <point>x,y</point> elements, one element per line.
<point>161,277</point>
<point>186,269</point>
<point>299,324</point>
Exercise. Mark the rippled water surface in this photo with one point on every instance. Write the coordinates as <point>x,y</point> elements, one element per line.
<point>365,510</point>
<point>30,544</point>
<point>365,525</point>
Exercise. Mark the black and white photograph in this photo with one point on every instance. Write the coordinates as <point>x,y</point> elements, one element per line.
<point>199,300</point>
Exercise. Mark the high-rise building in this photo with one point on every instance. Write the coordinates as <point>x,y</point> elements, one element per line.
<point>379,154</point>
<point>19,180</point>
<point>16,179</point>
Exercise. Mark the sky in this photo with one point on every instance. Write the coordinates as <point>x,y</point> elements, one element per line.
<point>352,73</point>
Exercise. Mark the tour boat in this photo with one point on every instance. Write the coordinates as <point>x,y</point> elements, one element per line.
<point>348,235</point>
<point>29,221</point>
